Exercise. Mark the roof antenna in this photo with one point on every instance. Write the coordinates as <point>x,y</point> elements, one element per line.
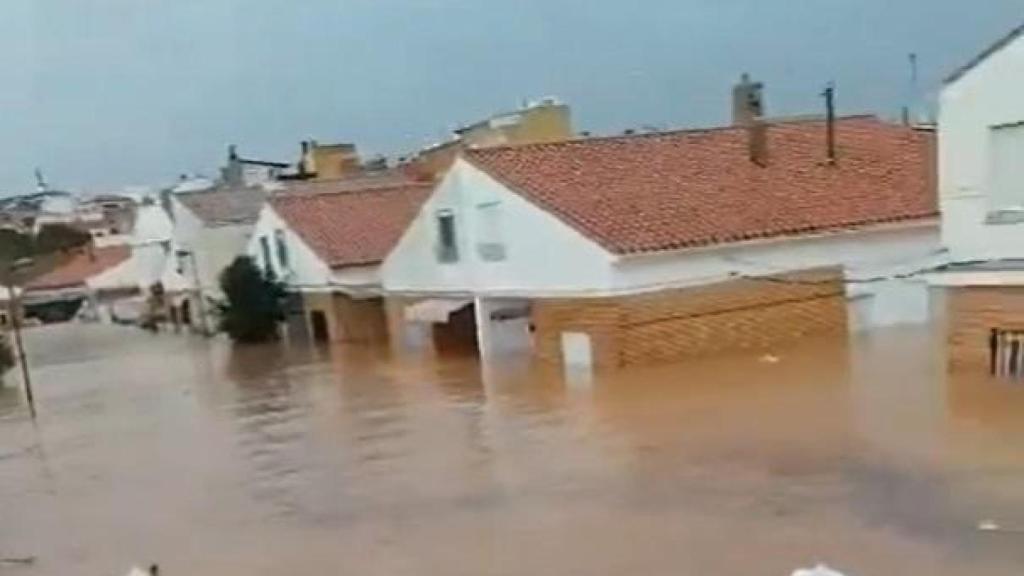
<point>41,185</point>
<point>830,121</point>
<point>908,108</point>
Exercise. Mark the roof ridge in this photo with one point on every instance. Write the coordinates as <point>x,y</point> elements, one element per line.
<point>779,121</point>
<point>295,194</point>
<point>991,49</point>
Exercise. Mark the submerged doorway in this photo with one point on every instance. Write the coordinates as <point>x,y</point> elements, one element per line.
<point>318,323</point>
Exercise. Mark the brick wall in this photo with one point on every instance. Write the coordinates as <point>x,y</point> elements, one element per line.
<point>676,324</point>
<point>349,319</point>
<point>971,314</point>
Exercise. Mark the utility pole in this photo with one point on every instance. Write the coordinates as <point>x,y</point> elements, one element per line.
<point>13,304</point>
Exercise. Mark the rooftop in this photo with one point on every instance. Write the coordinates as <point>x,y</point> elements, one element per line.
<point>670,190</point>
<point>82,266</point>
<point>224,206</point>
<point>352,228</point>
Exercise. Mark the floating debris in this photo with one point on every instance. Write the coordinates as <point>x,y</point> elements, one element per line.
<point>819,570</point>
<point>770,359</point>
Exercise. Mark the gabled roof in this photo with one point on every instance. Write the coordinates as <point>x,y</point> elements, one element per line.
<point>224,206</point>
<point>80,267</point>
<point>672,190</point>
<point>992,49</point>
<point>352,228</point>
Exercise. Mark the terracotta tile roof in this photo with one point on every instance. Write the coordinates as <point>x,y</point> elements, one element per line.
<point>694,188</point>
<point>224,206</point>
<point>384,179</point>
<point>80,267</point>
<point>352,228</point>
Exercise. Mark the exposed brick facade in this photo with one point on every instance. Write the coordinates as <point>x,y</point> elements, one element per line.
<point>972,312</point>
<point>675,324</point>
<point>349,319</point>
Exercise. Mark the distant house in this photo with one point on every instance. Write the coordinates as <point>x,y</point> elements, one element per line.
<point>620,251</point>
<point>91,281</point>
<point>981,183</point>
<point>546,120</point>
<point>211,228</point>
<point>325,241</point>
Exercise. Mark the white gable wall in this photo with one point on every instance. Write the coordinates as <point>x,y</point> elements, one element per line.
<point>989,95</point>
<point>305,269</point>
<point>542,254</point>
<point>214,247</point>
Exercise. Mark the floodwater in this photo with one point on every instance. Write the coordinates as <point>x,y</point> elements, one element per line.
<point>221,461</point>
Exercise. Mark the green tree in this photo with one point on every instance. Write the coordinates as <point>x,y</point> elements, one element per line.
<point>254,302</point>
<point>59,237</point>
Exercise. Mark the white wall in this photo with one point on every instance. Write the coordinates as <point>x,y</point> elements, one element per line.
<point>543,254</point>
<point>991,94</point>
<point>214,247</point>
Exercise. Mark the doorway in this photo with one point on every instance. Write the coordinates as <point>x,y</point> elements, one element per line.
<point>318,324</point>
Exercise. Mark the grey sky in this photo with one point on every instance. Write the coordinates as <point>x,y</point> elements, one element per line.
<point>104,93</point>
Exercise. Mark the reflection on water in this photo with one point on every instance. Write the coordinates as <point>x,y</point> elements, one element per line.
<point>219,460</point>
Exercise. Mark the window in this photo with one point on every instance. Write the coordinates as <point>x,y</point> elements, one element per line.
<point>265,253</point>
<point>1006,174</point>
<point>490,245</point>
<point>447,243</point>
<point>282,249</point>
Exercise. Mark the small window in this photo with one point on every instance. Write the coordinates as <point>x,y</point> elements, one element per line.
<point>1006,174</point>
<point>490,245</point>
<point>265,253</point>
<point>282,249</point>
<point>447,243</point>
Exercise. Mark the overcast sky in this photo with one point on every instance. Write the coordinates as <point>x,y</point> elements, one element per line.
<point>106,93</point>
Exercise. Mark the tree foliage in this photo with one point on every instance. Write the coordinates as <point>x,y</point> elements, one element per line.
<point>254,302</point>
<point>14,245</point>
<point>58,238</point>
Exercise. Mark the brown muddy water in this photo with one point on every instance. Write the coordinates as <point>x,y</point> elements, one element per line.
<point>217,461</point>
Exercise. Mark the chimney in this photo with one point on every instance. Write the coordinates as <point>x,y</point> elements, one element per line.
<point>232,152</point>
<point>747,101</point>
<point>757,141</point>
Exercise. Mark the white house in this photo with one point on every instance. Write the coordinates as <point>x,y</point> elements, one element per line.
<point>212,227</point>
<point>326,241</point>
<point>981,184</point>
<point>633,249</point>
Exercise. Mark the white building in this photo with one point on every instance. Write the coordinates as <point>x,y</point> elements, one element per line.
<point>211,228</point>
<point>981,183</point>
<point>325,241</point>
<point>626,250</point>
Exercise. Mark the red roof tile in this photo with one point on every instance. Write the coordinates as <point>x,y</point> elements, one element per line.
<point>80,268</point>
<point>671,190</point>
<point>352,228</point>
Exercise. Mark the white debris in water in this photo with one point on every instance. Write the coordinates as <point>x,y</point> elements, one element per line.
<point>136,571</point>
<point>819,570</point>
<point>770,359</point>
<point>988,526</point>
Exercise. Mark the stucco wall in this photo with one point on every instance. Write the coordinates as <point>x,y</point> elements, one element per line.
<point>989,95</point>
